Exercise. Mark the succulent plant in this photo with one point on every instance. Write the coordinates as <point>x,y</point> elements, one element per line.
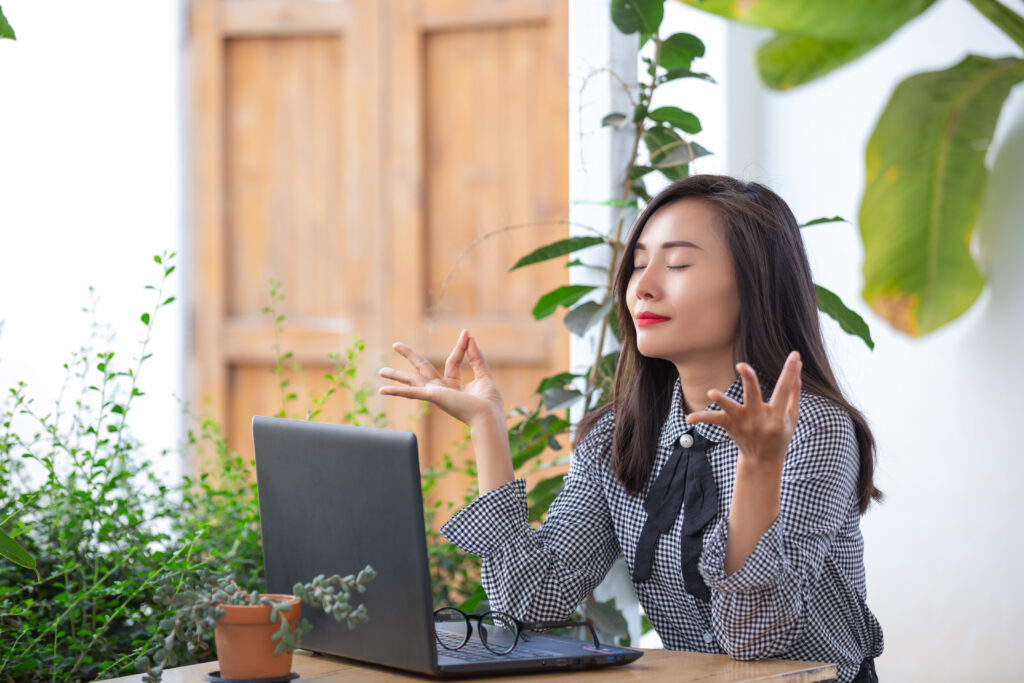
<point>195,607</point>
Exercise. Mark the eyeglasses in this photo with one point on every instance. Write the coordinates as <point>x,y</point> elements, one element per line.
<point>499,632</point>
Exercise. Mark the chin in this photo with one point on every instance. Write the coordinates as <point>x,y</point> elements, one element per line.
<point>652,351</point>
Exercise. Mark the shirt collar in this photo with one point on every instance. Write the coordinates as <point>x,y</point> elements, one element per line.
<point>676,424</point>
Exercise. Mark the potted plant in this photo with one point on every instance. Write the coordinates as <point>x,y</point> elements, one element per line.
<point>255,633</point>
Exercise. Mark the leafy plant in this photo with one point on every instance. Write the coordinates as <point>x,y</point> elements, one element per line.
<point>196,606</point>
<point>925,171</point>
<point>6,31</point>
<point>92,513</point>
<point>107,533</point>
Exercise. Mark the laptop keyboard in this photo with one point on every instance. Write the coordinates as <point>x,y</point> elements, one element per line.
<point>474,650</point>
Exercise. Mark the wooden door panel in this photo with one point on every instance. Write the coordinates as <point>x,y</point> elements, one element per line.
<point>487,167</point>
<point>353,149</point>
<point>286,165</point>
<point>482,155</point>
<point>284,187</point>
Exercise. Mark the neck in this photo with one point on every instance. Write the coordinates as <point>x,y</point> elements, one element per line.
<point>697,377</point>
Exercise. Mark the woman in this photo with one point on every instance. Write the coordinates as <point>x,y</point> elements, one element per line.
<point>735,495</point>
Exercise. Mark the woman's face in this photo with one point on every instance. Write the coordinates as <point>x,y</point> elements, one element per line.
<point>682,271</point>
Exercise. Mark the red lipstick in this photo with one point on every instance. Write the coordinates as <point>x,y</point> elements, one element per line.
<point>646,318</point>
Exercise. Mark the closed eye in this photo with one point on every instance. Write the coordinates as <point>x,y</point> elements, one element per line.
<point>669,267</point>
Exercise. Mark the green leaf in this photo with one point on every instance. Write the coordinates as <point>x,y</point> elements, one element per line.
<point>470,604</point>
<point>556,249</point>
<point>786,61</point>
<point>615,119</point>
<point>669,153</point>
<point>640,190</point>
<point>542,494</point>
<point>643,16</point>
<point>586,315</point>
<point>559,380</point>
<point>830,304</point>
<point>926,177</point>
<point>679,50</point>
<point>145,318</point>
<point>557,398</point>
<point>816,221</point>
<point>565,295</point>
<point>6,30</point>
<point>636,172</point>
<point>10,549</point>
<point>676,74</point>
<point>578,263</point>
<point>676,117</point>
<point>606,618</point>
<point>619,203</point>
<point>835,20</point>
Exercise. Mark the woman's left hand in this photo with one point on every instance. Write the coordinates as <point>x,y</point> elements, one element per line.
<point>762,431</point>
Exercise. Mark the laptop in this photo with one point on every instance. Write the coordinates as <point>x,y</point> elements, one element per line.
<point>335,498</point>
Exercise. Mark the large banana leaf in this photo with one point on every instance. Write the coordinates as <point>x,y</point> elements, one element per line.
<point>786,61</point>
<point>925,180</point>
<point>6,31</point>
<point>815,36</point>
<point>833,20</point>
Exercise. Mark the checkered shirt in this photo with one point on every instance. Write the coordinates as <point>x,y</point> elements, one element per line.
<point>800,595</point>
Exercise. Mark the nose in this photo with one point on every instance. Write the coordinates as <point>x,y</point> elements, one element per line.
<point>646,284</point>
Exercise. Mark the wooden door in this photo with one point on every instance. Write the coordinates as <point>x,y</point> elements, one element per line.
<point>353,151</point>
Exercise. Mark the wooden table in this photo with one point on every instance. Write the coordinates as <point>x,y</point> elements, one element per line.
<point>655,665</point>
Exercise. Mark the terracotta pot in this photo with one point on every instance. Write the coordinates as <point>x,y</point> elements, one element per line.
<point>244,647</point>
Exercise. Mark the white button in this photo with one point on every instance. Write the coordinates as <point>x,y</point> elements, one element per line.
<point>686,440</point>
<point>708,637</point>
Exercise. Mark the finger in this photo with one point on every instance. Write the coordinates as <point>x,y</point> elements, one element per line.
<point>398,375</point>
<point>714,417</point>
<point>751,388</point>
<point>723,401</point>
<point>425,367</point>
<point>419,393</point>
<point>789,376</point>
<point>477,360</point>
<point>453,366</point>
<point>793,409</point>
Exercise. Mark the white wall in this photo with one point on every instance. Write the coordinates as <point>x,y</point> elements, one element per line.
<point>945,563</point>
<point>90,190</point>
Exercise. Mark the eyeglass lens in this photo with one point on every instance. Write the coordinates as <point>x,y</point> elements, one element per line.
<point>451,628</point>
<point>498,632</point>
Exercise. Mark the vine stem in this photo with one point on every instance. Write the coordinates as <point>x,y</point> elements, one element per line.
<point>508,228</point>
<point>1008,21</point>
<point>617,246</point>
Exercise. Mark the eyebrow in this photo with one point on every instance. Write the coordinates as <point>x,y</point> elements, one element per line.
<point>668,245</point>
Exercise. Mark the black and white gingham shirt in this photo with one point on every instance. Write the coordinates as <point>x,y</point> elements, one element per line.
<point>800,594</point>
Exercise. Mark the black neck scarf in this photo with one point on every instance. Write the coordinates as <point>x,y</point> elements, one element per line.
<point>687,480</point>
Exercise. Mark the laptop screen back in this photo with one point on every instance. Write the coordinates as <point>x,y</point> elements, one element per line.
<point>333,499</point>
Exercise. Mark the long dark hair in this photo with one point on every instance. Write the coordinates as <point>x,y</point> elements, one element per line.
<point>778,313</point>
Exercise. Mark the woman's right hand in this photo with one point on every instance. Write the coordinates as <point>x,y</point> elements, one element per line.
<point>470,403</point>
